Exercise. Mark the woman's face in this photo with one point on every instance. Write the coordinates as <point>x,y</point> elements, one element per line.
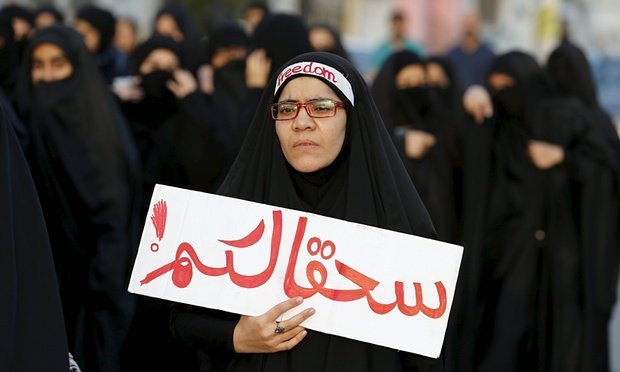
<point>310,144</point>
<point>321,39</point>
<point>91,35</point>
<point>410,76</point>
<point>499,81</point>
<point>160,59</point>
<point>436,76</point>
<point>167,26</point>
<point>44,19</point>
<point>125,37</point>
<point>49,63</point>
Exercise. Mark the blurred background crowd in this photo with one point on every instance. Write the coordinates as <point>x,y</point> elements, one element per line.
<point>107,98</point>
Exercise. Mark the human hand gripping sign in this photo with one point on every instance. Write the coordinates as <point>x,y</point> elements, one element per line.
<point>267,333</point>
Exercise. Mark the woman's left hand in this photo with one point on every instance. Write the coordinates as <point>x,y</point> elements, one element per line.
<point>545,155</point>
<point>266,334</point>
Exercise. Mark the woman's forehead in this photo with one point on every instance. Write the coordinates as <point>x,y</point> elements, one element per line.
<point>307,87</point>
<point>47,50</point>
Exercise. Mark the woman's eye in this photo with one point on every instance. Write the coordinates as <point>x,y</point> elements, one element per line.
<point>323,106</point>
<point>287,109</point>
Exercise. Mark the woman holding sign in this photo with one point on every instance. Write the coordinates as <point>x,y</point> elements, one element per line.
<point>317,144</point>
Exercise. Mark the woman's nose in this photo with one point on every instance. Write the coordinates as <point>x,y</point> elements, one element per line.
<point>303,120</point>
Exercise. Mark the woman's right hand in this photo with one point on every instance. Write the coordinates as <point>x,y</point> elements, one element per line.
<point>417,143</point>
<point>257,67</point>
<point>257,334</point>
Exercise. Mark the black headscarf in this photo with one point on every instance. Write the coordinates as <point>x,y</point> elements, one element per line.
<point>52,10</point>
<point>13,49</point>
<point>103,21</point>
<point>85,168</point>
<point>378,190</point>
<point>192,43</point>
<point>531,84</point>
<point>283,36</point>
<point>225,35</point>
<point>9,56</point>
<point>383,88</point>
<point>18,11</point>
<point>33,333</point>
<point>570,70</point>
<point>338,48</point>
<point>450,95</point>
<point>143,50</point>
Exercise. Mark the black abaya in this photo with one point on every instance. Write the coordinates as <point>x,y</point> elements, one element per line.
<point>600,206</point>
<point>33,333</point>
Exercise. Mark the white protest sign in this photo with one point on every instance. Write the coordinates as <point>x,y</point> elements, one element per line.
<point>366,283</point>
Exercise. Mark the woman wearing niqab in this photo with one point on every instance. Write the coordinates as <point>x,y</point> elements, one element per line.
<point>408,106</point>
<point>533,158</point>
<point>98,26</point>
<point>277,38</point>
<point>364,183</point>
<point>177,137</point>
<point>226,52</point>
<point>84,166</point>
<point>570,70</point>
<point>175,21</point>
<point>179,146</point>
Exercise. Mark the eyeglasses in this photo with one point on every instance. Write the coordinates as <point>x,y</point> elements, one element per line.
<point>316,108</point>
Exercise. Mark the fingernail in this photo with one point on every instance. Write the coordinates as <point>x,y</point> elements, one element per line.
<point>311,311</point>
<point>299,299</point>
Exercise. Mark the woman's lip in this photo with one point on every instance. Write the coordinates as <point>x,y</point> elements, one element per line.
<point>304,143</point>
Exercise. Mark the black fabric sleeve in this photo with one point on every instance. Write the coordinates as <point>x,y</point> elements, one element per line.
<point>209,331</point>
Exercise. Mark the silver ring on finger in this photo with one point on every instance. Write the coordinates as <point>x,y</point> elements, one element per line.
<point>279,328</point>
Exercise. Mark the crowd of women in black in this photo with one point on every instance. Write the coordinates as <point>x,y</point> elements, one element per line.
<point>532,191</point>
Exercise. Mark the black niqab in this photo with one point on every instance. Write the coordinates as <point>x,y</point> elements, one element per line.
<point>225,35</point>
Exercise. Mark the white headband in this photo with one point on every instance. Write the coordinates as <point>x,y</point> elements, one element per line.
<point>318,69</point>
